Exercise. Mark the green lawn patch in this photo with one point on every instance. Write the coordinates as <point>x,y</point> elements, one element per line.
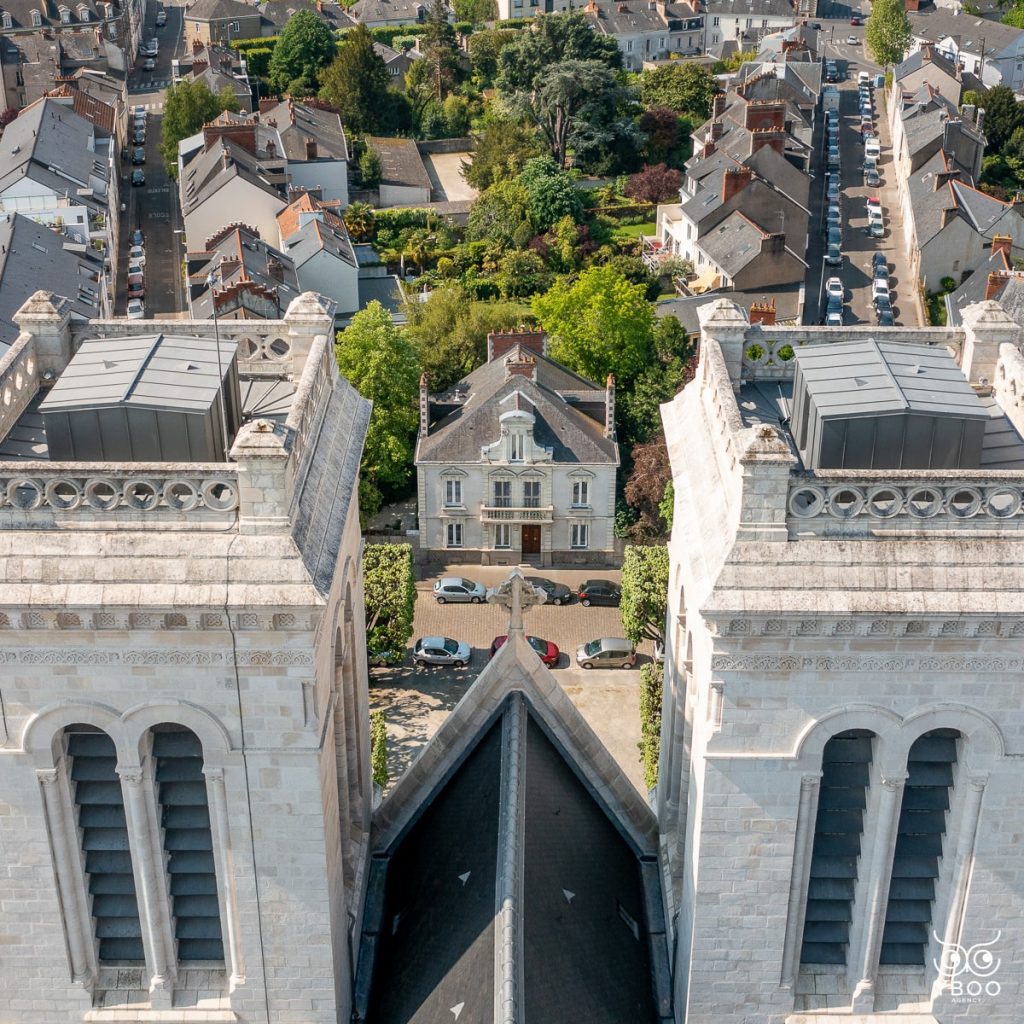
<point>634,230</point>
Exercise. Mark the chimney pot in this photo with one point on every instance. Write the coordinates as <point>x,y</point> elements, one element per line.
<point>609,406</point>
<point>1003,243</point>
<point>734,180</point>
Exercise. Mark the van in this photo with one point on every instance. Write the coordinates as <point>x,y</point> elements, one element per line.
<point>872,148</point>
<point>606,652</point>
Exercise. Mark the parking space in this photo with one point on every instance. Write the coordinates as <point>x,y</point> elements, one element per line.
<point>417,700</point>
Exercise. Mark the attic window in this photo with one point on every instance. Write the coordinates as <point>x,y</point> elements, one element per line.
<point>6,19</point>
<point>65,15</point>
<point>37,18</point>
<point>84,14</point>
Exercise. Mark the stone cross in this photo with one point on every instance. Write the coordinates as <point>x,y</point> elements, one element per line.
<point>515,594</point>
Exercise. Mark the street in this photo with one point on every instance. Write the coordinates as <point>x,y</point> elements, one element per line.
<point>153,207</point>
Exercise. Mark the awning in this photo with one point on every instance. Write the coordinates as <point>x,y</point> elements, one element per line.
<point>706,282</point>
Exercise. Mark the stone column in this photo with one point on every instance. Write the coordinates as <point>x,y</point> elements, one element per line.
<point>69,877</point>
<point>986,327</point>
<point>152,897</point>
<point>47,317</point>
<point>879,875</point>
<point>961,878</point>
<point>799,882</point>
<point>223,862</point>
<point>309,315</point>
<point>724,322</point>
<point>264,484</point>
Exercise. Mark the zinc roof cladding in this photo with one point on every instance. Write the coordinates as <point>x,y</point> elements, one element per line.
<point>155,371</point>
<point>871,378</point>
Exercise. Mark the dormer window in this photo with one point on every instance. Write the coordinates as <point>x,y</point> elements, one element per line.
<point>84,13</point>
<point>37,19</point>
<point>516,447</point>
<point>65,15</point>
<point>7,22</point>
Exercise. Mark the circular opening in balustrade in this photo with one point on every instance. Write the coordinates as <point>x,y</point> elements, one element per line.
<point>884,502</point>
<point>25,494</point>
<point>19,381</point>
<point>30,366</point>
<point>8,395</point>
<point>102,494</point>
<point>845,502</point>
<point>1002,502</point>
<point>924,502</point>
<point>63,494</point>
<point>141,495</point>
<point>279,348</point>
<point>219,495</point>
<point>180,495</point>
<point>963,502</point>
<point>807,502</point>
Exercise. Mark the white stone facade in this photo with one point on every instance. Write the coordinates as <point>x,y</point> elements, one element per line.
<point>806,604</point>
<point>193,595</point>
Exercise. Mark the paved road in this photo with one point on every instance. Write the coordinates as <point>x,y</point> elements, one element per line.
<point>153,207</point>
<point>417,700</point>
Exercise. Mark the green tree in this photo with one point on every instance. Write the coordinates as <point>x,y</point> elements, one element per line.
<point>667,506</point>
<point>484,49</point>
<point>455,113</point>
<point>381,365</point>
<point>552,191</point>
<point>1003,116</point>
<point>502,214</point>
<point>370,169</point>
<point>440,49</point>
<point>360,221</point>
<point>651,682</point>
<point>644,602</point>
<point>379,749</point>
<point>357,83</point>
<point>599,324</point>
<point>501,151</point>
<point>476,12</point>
<point>389,586</point>
<point>1014,16</point>
<point>680,86</point>
<point>521,273</point>
<point>887,32</point>
<point>639,408</point>
<point>304,47</point>
<point>187,107</point>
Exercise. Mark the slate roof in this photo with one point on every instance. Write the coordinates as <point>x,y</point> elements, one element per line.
<point>401,163</point>
<point>634,17</point>
<point>30,253</point>
<point>927,55</point>
<point>388,10</point>
<point>1011,298</point>
<point>928,202</point>
<point>320,236</point>
<point>277,12</point>
<point>216,80</point>
<point>297,122</point>
<point>982,211</point>
<point>21,12</point>
<point>573,436</point>
<point>206,174</point>
<point>967,30</point>
<point>974,288</point>
<point>219,10</point>
<point>752,9</point>
<point>733,243</point>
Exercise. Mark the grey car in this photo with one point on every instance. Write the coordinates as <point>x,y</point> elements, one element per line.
<point>606,652</point>
<point>557,593</point>
<point>458,589</point>
<point>441,650</point>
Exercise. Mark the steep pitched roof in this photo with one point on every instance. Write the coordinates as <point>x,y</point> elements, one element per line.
<point>297,122</point>
<point>925,57</point>
<point>974,288</point>
<point>216,167</point>
<point>219,10</point>
<point>982,210</point>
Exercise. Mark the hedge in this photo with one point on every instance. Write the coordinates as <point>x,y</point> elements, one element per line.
<point>650,720</point>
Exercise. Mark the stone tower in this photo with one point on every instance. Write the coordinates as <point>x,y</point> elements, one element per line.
<point>184,736</point>
<point>839,792</point>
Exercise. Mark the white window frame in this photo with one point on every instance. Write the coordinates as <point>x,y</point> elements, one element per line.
<point>516,447</point>
<point>581,494</point>
<point>501,500</point>
<point>37,18</point>
<point>579,536</point>
<point>454,536</point>
<point>529,500</point>
<point>503,535</point>
<point>453,492</point>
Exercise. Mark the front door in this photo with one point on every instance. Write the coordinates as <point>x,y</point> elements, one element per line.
<point>531,540</point>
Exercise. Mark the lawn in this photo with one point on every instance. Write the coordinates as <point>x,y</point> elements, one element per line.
<point>634,230</point>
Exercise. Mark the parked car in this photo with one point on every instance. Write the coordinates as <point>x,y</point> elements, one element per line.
<point>136,287</point>
<point>834,318</point>
<point>136,254</point>
<point>885,317</point>
<point>558,593</point>
<point>138,177</point>
<point>855,20</point>
<point>876,228</point>
<point>835,236</point>
<point>833,157</point>
<point>138,155</point>
<point>547,651</point>
<point>134,269</point>
<point>864,78</point>
<point>149,64</point>
<point>441,650</point>
<point>880,272</point>
<point>456,589</point>
<point>139,137</point>
<point>835,305</point>
<point>833,220</point>
<point>871,178</point>
<point>136,309</point>
<point>852,40</point>
<point>834,255</point>
<point>879,289</point>
<point>878,260</point>
<point>834,287</point>
<point>599,592</point>
<point>833,188</point>
<point>606,652</point>
<point>137,237</point>
<point>161,19</point>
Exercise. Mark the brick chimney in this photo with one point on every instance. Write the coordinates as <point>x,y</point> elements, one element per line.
<point>1003,244</point>
<point>519,364</point>
<point>268,104</point>
<point>424,406</point>
<point>765,114</point>
<point>735,180</point>
<point>771,137</point>
<point>718,104</point>
<point>773,243</point>
<point>717,128</point>
<point>609,407</point>
<point>500,342</point>
<point>311,148</point>
<point>763,313</point>
<point>995,282</point>
<point>241,133</point>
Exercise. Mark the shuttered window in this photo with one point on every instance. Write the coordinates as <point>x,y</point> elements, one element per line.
<point>915,866</point>
<point>846,765</point>
<point>188,845</point>
<point>99,811</point>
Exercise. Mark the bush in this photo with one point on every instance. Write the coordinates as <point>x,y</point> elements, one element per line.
<point>651,676</point>
<point>379,749</point>
<point>655,184</point>
<point>947,284</point>
<point>258,60</point>
<point>389,584</point>
<point>370,169</point>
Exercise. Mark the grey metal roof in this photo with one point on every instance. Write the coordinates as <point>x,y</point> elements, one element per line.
<point>155,371</point>
<point>872,378</point>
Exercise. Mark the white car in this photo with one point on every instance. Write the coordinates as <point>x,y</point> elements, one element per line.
<point>834,319</point>
<point>137,255</point>
<point>879,288</point>
<point>161,19</point>
<point>441,650</point>
<point>134,268</point>
<point>136,309</point>
<point>834,288</point>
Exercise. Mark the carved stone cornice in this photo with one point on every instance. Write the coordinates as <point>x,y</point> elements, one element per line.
<point>151,656</point>
<point>867,626</point>
<point>155,620</point>
<point>958,663</point>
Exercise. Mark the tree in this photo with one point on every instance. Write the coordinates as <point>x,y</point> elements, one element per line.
<point>187,107</point>
<point>456,116</point>
<point>680,86</point>
<point>304,47</point>
<point>639,408</point>
<point>1014,16</point>
<point>370,168</point>
<point>521,273</point>
<point>389,585</point>
<point>8,116</point>
<point>379,749</point>
<point>360,221</point>
<point>501,151</point>
<point>484,48</point>
<point>644,601</point>
<point>1003,116</point>
<point>667,506</point>
<point>887,32</point>
<point>645,488</point>
<point>651,682</point>
<point>476,12</point>
<point>599,325</point>
<point>381,365</point>
<point>440,48</point>
<point>357,84</point>
<point>552,191</point>
<point>502,214</point>
<point>662,128</point>
<point>654,184</point>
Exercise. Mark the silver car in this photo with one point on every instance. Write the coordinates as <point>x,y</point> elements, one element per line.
<point>441,650</point>
<point>606,652</point>
<point>458,588</point>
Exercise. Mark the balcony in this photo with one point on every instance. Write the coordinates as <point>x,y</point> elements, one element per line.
<point>515,514</point>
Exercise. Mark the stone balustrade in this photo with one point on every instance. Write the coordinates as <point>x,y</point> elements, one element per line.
<point>19,381</point>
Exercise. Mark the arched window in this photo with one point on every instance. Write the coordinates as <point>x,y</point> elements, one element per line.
<point>100,817</point>
<point>187,842</point>
<point>835,855</point>
<point>915,866</point>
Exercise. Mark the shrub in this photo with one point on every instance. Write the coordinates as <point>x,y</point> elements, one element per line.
<point>947,284</point>
<point>379,749</point>
<point>651,676</point>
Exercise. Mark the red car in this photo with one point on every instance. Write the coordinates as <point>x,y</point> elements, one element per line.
<point>548,652</point>
<point>856,21</point>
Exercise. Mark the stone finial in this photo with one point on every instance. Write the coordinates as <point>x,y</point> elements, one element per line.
<point>47,317</point>
<point>986,326</point>
<point>726,323</point>
<point>308,315</point>
<point>261,450</point>
<point>516,594</point>
<point>310,305</point>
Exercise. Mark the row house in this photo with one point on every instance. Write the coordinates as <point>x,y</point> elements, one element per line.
<point>648,31</point>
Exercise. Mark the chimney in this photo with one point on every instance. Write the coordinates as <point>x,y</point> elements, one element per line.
<point>995,282</point>
<point>424,406</point>
<point>311,150</point>
<point>520,365</point>
<point>716,130</point>
<point>980,120</point>
<point>969,112</point>
<point>765,114</point>
<point>500,342</point>
<point>268,104</point>
<point>1003,244</point>
<point>763,313</point>
<point>271,149</point>
<point>718,104</point>
<point>609,407</point>
<point>771,137</point>
<point>773,243</point>
<point>735,180</point>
